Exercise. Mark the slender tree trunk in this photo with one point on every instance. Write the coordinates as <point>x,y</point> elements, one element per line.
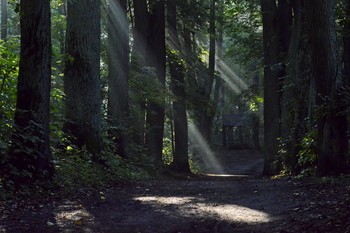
<point>139,60</point>
<point>4,19</point>
<point>332,141</point>
<point>206,82</point>
<point>118,67</point>
<point>82,75</point>
<point>30,151</point>
<point>271,85</point>
<point>157,59</point>
<point>180,163</point>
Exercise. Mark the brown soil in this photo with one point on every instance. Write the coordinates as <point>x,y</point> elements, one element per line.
<point>231,197</point>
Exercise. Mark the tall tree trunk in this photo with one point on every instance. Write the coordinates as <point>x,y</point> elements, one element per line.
<point>4,19</point>
<point>30,150</point>
<point>206,111</point>
<point>325,69</point>
<point>118,67</point>
<point>296,89</point>
<point>346,41</point>
<point>82,75</point>
<point>157,59</point>
<point>139,60</point>
<point>180,163</point>
<point>271,85</point>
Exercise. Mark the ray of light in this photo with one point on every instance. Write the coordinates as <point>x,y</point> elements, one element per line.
<point>231,74</point>
<point>116,16</point>
<point>201,145</point>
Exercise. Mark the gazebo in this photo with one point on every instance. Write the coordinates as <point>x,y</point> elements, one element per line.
<point>235,131</point>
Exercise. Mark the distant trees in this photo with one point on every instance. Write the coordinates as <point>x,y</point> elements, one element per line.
<point>118,98</point>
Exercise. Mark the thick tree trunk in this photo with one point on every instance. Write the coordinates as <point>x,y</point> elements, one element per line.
<point>296,94</point>
<point>272,110</point>
<point>157,59</point>
<point>325,69</point>
<point>82,75</point>
<point>180,163</point>
<point>30,150</point>
<point>4,19</point>
<point>118,67</point>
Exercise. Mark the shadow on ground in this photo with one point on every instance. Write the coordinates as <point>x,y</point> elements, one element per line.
<point>238,202</point>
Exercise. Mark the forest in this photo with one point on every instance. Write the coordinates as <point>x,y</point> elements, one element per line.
<point>212,115</point>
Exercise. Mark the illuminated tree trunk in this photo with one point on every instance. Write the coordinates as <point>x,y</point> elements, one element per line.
<point>118,67</point>
<point>30,155</point>
<point>332,140</point>
<point>82,75</point>
<point>180,163</point>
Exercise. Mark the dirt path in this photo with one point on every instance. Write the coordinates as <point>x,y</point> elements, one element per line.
<point>235,200</point>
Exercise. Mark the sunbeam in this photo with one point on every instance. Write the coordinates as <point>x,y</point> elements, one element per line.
<point>116,17</point>
<point>201,145</point>
<point>230,76</point>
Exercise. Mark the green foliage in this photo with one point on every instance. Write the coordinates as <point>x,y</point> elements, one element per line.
<point>307,156</point>
<point>75,168</point>
<point>9,60</point>
<point>243,25</point>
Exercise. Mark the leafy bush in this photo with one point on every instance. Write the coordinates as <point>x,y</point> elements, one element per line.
<point>75,168</point>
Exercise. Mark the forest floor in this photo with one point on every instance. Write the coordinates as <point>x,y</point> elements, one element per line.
<point>231,197</point>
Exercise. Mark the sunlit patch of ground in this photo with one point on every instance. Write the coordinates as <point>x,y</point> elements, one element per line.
<point>189,206</point>
<point>72,214</point>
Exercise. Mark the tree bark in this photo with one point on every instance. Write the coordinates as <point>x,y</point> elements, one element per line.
<point>82,75</point>
<point>30,151</point>
<point>157,59</point>
<point>139,60</point>
<point>118,69</point>
<point>325,69</point>
<point>4,20</point>
<point>272,111</point>
<point>346,41</point>
<point>181,163</point>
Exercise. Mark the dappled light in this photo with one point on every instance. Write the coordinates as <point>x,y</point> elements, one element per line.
<point>72,214</point>
<point>189,206</point>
